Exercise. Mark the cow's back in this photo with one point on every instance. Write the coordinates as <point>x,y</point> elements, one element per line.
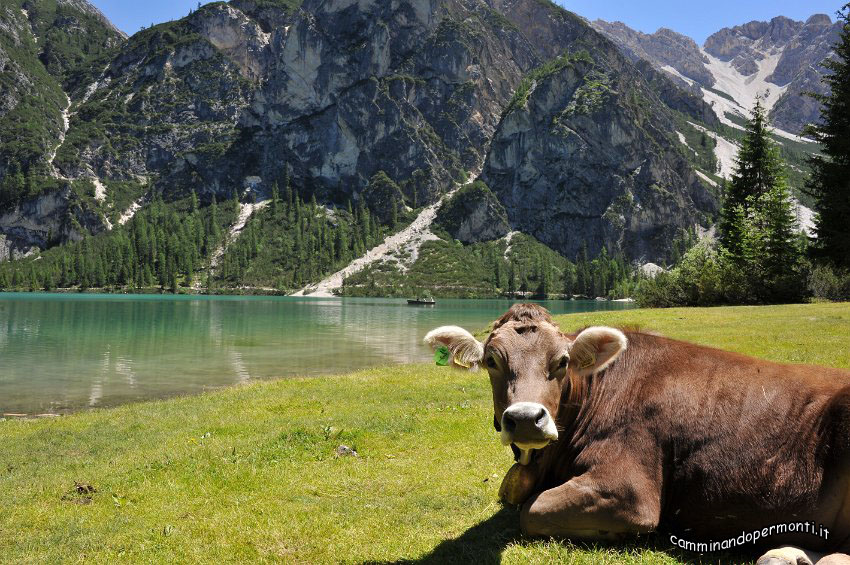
<point>732,439</point>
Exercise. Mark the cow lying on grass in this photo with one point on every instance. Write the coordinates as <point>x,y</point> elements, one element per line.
<point>620,433</point>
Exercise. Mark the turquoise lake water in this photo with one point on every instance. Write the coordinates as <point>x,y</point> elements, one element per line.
<point>62,353</point>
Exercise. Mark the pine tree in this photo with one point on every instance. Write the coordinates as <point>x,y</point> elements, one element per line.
<point>781,254</point>
<point>758,169</point>
<point>569,281</point>
<point>542,279</point>
<point>287,187</point>
<point>829,183</point>
<point>760,241</point>
<point>275,198</point>
<point>32,278</point>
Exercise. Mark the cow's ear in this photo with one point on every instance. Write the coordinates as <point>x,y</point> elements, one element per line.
<point>595,348</point>
<point>463,349</point>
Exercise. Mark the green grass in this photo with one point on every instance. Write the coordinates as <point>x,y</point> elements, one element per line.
<point>249,473</point>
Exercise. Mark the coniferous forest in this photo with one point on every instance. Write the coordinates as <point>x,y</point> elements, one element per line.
<point>289,243</point>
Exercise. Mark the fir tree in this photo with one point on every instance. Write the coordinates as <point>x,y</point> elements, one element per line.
<point>275,198</point>
<point>781,254</point>
<point>287,187</point>
<point>758,170</point>
<point>829,183</point>
<point>569,281</point>
<point>542,280</point>
<point>759,241</point>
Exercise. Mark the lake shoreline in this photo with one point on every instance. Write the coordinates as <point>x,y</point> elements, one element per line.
<point>257,291</point>
<point>65,352</point>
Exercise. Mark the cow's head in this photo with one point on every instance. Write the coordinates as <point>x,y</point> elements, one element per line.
<point>531,364</point>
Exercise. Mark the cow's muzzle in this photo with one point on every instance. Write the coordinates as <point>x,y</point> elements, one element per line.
<point>529,426</point>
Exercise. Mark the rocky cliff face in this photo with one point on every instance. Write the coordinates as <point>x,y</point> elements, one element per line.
<point>46,52</point>
<point>782,56</point>
<point>585,158</point>
<point>331,93</point>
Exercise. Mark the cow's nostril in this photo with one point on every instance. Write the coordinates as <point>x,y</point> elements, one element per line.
<point>540,418</point>
<point>508,423</point>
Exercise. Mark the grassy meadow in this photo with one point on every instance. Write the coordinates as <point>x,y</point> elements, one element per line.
<point>249,473</point>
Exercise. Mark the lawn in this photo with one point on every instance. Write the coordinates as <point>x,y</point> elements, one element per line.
<point>249,473</point>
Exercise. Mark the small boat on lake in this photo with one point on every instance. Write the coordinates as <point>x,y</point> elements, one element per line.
<point>421,301</point>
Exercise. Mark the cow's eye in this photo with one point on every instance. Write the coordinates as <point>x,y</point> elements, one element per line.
<point>491,362</point>
<point>559,366</point>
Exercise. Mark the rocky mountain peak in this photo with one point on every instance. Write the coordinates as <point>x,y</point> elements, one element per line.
<point>781,56</point>
<point>752,37</point>
<point>669,50</point>
<point>819,20</point>
<point>85,7</point>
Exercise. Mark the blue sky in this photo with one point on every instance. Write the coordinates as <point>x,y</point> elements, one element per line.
<point>697,20</point>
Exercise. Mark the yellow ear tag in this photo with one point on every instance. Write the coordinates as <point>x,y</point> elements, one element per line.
<point>588,362</point>
<point>460,363</point>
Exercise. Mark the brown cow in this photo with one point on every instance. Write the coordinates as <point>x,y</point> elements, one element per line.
<point>619,433</point>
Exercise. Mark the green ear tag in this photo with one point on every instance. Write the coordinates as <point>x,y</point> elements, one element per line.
<point>441,356</point>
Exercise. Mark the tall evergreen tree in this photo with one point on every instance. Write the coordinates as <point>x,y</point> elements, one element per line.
<point>275,198</point>
<point>759,226</point>
<point>781,257</point>
<point>829,183</point>
<point>758,170</point>
<point>287,188</point>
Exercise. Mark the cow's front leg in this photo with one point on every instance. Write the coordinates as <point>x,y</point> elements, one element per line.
<point>591,508</point>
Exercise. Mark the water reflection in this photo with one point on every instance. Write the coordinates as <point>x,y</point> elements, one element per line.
<point>60,353</point>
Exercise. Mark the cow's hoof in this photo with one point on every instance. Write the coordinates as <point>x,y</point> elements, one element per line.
<point>785,556</point>
<point>518,485</point>
<point>835,559</point>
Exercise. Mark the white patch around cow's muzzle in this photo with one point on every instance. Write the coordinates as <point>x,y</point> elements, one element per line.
<point>528,425</point>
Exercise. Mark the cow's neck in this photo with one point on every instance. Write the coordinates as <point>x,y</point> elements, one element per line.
<point>573,418</point>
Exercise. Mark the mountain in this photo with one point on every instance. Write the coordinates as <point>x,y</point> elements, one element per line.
<point>46,47</point>
<point>781,58</point>
<point>361,119</point>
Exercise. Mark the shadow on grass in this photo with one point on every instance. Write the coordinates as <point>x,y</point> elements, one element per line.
<point>484,543</point>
